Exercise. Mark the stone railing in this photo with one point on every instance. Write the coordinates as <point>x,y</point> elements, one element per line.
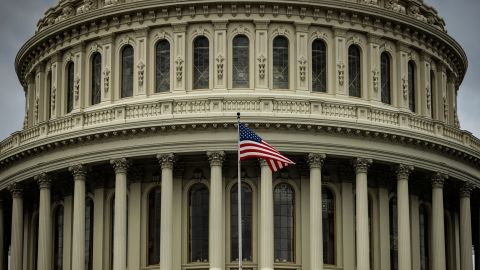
<point>289,109</point>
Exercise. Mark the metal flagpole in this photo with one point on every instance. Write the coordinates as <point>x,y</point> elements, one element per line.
<point>239,198</point>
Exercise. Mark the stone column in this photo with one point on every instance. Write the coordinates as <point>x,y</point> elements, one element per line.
<point>120,167</point>
<point>44,223</point>
<point>98,222</point>
<point>315,161</point>
<point>2,237</point>
<point>384,224</point>
<point>266,217</point>
<point>17,227</point>
<point>216,236</point>
<point>363,240</point>
<point>438,222</point>
<point>78,249</point>
<point>404,252</point>
<point>166,227</point>
<point>465,228</point>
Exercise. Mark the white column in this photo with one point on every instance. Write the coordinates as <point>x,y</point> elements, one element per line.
<point>315,161</point>
<point>363,240</point>
<point>44,223</point>
<point>438,222</point>
<point>17,227</point>
<point>266,217</point>
<point>404,247</point>
<point>120,167</point>
<point>465,228</point>
<point>2,236</point>
<point>216,236</point>
<point>78,249</point>
<point>166,222</point>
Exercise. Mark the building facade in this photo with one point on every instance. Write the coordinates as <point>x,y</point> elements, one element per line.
<point>127,158</point>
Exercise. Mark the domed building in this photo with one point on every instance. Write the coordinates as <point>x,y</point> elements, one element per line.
<point>128,154</point>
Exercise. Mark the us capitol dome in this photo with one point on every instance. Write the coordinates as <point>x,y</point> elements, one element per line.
<point>128,154</point>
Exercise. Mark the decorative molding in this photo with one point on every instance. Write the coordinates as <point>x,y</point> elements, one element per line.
<point>341,73</point>
<point>43,180</point>
<point>166,161</point>
<point>79,171</point>
<point>76,91</point>
<point>315,160</point>
<point>263,162</point>
<point>120,165</point>
<point>428,93</point>
<point>361,165</point>
<point>403,171</point>
<point>302,68</point>
<point>16,189</point>
<point>261,66</point>
<point>405,87</point>
<point>53,97</point>
<point>106,79</point>
<point>465,189</point>
<point>216,158</point>
<point>281,31</point>
<point>95,48</point>
<point>220,59</point>
<point>438,180</point>
<point>179,68</point>
<point>376,79</point>
<point>141,73</point>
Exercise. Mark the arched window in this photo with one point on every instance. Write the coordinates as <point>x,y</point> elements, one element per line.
<point>354,71</point>
<point>240,61</point>
<point>424,238</point>
<point>58,238</point>
<point>96,78</point>
<point>198,223</point>
<point>247,208</point>
<point>49,89</point>
<point>328,225</point>
<point>201,58</point>
<point>385,77</point>
<point>162,66</point>
<point>127,71</point>
<point>280,63</point>
<point>319,66</point>
<point>433,93</point>
<point>411,86</point>
<point>88,234</point>
<point>393,215</point>
<point>70,86</point>
<point>154,215</point>
<point>284,223</point>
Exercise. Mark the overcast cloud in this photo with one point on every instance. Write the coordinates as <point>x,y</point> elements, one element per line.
<point>18,21</point>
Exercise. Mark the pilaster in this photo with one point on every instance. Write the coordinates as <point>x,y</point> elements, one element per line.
<point>425,86</point>
<point>108,62</point>
<point>179,52</point>
<point>374,69</point>
<point>402,75</point>
<point>56,95</point>
<point>302,74</point>
<point>140,65</point>
<point>441,97</point>
<point>261,55</point>
<point>220,54</point>
<point>341,60</point>
<point>450,102</point>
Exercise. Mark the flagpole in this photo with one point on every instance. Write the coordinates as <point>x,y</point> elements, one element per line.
<point>239,198</point>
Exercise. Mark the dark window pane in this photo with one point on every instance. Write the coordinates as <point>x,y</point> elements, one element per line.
<point>96,78</point>
<point>88,234</point>
<point>411,86</point>
<point>35,241</point>
<point>393,234</point>
<point>198,225</point>
<point>70,85</point>
<point>58,239</point>
<point>247,208</point>
<point>284,222</point>
<point>354,73</point>
<point>328,224</point>
<point>424,239</point>
<point>319,66</point>
<point>280,63</point>
<point>385,78</point>
<point>201,63</point>
<point>162,66</point>
<point>154,213</point>
<point>240,62</point>
<point>127,72</point>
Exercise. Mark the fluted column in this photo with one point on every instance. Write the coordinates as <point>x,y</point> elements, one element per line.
<point>166,222</point>
<point>78,249</point>
<point>404,247</point>
<point>465,228</point>
<point>17,227</point>
<point>216,236</point>
<point>438,222</point>
<point>361,199</point>
<point>315,161</point>
<point>266,217</point>
<point>44,223</point>
<point>120,167</point>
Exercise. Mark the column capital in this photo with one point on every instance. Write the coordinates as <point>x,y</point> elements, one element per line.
<point>403,171</point>
<point>16,189</point>
<point>78,170</point>
<point>438,180</point>
<point>466,189</point>
<point>43,180</point>
<point>216,158</point>
<point>315,160</point>
<point>120,165</point>
<point>166,161</point>
<point>361,165</point>
<point>263,162</point>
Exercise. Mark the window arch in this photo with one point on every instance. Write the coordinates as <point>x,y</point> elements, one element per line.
<point>58,238</point>
<point>88,233</point>
<point>393,216</point>
<point>411,86</point>
<point>280,63</point>
<point>96,78</point>
<point>198,223</point>
<point>201,63</point>
<point>385,77</point>
<point>284,223</point>
<point>162,66</point>
<point>354,71</point>
<point>240,62</point>
<point>319,66</point>
<point>328,224</point>
<point>49,89</point>
<point>424,238</point>
<point>70,86</point>
<point>247,210</point>
<point>127,71</point>
<point>154,218</point>
<point>432,93</point>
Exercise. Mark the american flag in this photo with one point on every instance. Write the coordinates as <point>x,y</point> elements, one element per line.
<point>252,146</point>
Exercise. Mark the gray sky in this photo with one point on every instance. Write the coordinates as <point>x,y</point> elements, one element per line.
<point>18,21</point>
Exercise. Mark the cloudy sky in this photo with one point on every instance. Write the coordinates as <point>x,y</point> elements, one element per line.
<point>18,20</point>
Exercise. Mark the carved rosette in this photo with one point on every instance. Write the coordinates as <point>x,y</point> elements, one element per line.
<point>166,161</point>
<point>341,73</point>
<point>303,68</point>
<point>315,160</point>
<point>220,59</point>
<point>179,68</point>
<point>216,158</point>
<point>466,190</point>
<point>261,66</point>
<point>438,180</point>
<point>361,165</point>
<point>120,165</point>
<point>141,73</point>
<point>78,171</point>
<point>43,180</point>
<point>16,189</point>
<point>403,171</point>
